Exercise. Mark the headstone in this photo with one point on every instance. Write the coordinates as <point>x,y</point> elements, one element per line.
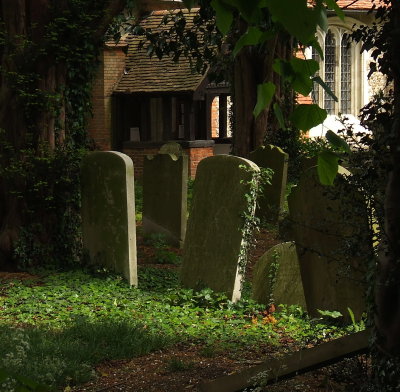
<point>215,243</point>
<point>277,278</point>
<point>165,179</point>
<point>330,228</point>
<point>271,202</point>
<point>172,148</point>
<point>108,212</point>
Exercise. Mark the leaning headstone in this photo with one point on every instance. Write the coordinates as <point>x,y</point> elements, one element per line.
<point>165,179</point>
<point>108,212</point>
<point>277,278</point>
<point>216,241</point>
<point>172,148</point>
<point>272,199</point>
<point>330,229</point>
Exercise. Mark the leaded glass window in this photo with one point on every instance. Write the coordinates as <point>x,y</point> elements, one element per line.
<point>330,71</point>
<point>345,76</point>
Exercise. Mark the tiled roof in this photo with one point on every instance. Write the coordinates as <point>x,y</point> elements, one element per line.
<point>357,4</point>
<point>151,75</point>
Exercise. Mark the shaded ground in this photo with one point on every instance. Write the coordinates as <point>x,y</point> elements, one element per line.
<point>183,367</point>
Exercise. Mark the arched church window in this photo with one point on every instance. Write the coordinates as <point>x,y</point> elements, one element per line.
<point>342,70</point>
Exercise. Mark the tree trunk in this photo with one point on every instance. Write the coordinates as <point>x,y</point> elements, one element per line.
<point>388,286</point>
<point>253,66</point>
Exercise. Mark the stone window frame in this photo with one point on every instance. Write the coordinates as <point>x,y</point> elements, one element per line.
<point>359,66</point>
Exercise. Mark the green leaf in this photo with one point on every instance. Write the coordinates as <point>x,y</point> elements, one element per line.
<point>305,117</point>
<point>265,92</point>
<point>296,17</point>
<point>298,73</point>
<point>189,4</point>
<point>327,167</point>
<point>353,319</point>
<point>333,6</point>
<point>249,10</point>
<point>322,17</point>
<point>318,80</point>
<point>253,36</point>
<point>336,141</point>
<point>224,15</point>
<point>330,313</point>
<point>279,115</point>
<point>303,71</point>
<point>315,44</point>
<point>3,376</point>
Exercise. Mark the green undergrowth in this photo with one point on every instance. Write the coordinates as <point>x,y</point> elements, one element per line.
<point>55,329</point>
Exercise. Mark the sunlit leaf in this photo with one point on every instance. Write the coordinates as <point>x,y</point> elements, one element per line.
<point>224,15</point>
<point>296,17</point>
<point>279,115</point>
<point>253,36</point>
<point>298,72</point>
<point>303,71</point>
<point>333,6</point>
<point>330,313</point>
<point>249,10</point>
<point>336,141</point>
<point>265,92</point>
<point>328,90</point>
<point>322,18</point>
<point>315,44</point>
<point>189,4</point>
<point>305,117</point>
<point>327,167</point>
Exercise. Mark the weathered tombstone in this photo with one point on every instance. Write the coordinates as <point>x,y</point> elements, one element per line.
<point>272,199</point>
<point>277,278</point>
<point>330,228</point>
<point>108,212</point>
<point>165,179</point>
<point>172,148</point>
<point>216,242</point>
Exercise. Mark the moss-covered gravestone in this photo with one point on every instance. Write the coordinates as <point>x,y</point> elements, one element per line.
<point>165,180</point>
<point>277,278</point>
<point>108,212</point>
<point>272,199</point>
<point>330,228</point>
<point>215,243</point>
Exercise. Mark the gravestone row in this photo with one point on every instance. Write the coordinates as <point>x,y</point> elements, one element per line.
<point>214,241</point>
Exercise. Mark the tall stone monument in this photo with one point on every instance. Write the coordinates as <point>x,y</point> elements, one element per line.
<point>330,229</point>
<point>272,199</point>
<point>108,212</point>
<point>215,240</point>
<point>165,180</point>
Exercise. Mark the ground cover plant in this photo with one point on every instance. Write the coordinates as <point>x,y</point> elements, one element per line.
<point>56,327</point>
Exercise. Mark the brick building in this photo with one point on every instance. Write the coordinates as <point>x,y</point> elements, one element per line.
<point>139,103</point>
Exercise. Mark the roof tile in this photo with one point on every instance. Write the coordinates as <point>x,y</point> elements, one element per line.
<point>151,75</point>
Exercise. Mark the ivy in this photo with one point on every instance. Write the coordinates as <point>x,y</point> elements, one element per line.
<point>43,175</point>
<point>257,181</point>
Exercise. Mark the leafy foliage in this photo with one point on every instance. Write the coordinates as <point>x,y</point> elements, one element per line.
<point>74,320</point>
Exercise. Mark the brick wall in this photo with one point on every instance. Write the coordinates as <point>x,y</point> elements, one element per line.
<point>112,64</point>
<point>137,155</point>
<point>195,155</point>
<point>215,117</point>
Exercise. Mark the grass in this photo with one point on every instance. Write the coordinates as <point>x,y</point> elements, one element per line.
<point>56,330</point>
